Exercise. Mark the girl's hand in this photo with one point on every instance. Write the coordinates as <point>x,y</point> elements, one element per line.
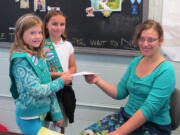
<point>67,78</point>
<point>59,123</point>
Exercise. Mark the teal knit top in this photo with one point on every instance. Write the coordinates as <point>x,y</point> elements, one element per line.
<point>34,97</point>
<point>151,93</point>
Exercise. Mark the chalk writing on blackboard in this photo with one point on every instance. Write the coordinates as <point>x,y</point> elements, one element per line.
<point>123,43</point>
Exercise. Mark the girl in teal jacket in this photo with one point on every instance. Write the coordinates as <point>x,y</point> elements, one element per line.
<point>31,84</point>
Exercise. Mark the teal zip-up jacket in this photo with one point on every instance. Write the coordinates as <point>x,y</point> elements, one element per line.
<point>32,88</point>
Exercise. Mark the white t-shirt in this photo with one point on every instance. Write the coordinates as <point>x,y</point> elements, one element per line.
<point>64,50</point>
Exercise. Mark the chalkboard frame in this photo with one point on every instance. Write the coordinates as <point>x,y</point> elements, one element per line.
<point>105,51</point>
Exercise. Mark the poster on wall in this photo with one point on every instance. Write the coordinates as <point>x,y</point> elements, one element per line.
<point>106,7</point>
<point>40,5</point>
<point>24,4</point>
<point>100,5</point>
<point>171,26</point>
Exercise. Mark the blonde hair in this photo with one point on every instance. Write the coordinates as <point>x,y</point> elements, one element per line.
<point>48,16</point>
<point>24,23</point>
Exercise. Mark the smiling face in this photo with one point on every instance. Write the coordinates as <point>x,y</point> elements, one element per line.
<point>33,36</point>
<point>149,42</point>
<point>56,26</point>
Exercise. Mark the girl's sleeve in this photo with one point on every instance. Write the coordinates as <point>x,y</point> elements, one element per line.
<point>55,110</point>
<point>27,80</point>
<point>71,48</point>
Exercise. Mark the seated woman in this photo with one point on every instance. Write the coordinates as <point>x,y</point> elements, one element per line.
<point>149,82</point>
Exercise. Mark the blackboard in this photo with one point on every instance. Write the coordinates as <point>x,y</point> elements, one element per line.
<point>88,33</point>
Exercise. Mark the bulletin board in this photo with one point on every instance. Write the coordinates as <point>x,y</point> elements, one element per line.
<point>93,26</point>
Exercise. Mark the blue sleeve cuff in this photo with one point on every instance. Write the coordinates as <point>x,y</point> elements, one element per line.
<point>61,83</point>
<point>57,116</point>
<point>145,113</point>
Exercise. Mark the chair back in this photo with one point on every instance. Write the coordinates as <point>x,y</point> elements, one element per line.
<point>175,109</point>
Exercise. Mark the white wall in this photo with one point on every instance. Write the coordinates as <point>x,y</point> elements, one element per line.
<point>171,14</point>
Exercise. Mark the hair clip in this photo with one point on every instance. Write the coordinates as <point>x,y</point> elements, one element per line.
<point>24,18</point>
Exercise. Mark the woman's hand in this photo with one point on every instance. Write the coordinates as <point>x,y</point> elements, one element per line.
<point>91,78</point>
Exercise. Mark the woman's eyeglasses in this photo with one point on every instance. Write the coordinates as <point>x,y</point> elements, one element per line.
<point>149,40</point>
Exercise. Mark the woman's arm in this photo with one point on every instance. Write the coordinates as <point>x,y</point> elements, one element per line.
<point>108,88</point>
<point>132,124</point>
<point>119,91</point>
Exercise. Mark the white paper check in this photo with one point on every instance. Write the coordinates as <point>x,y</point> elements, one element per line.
<point>83,73</point>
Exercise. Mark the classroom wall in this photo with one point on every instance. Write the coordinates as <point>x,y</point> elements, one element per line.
<point>92,104</point>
